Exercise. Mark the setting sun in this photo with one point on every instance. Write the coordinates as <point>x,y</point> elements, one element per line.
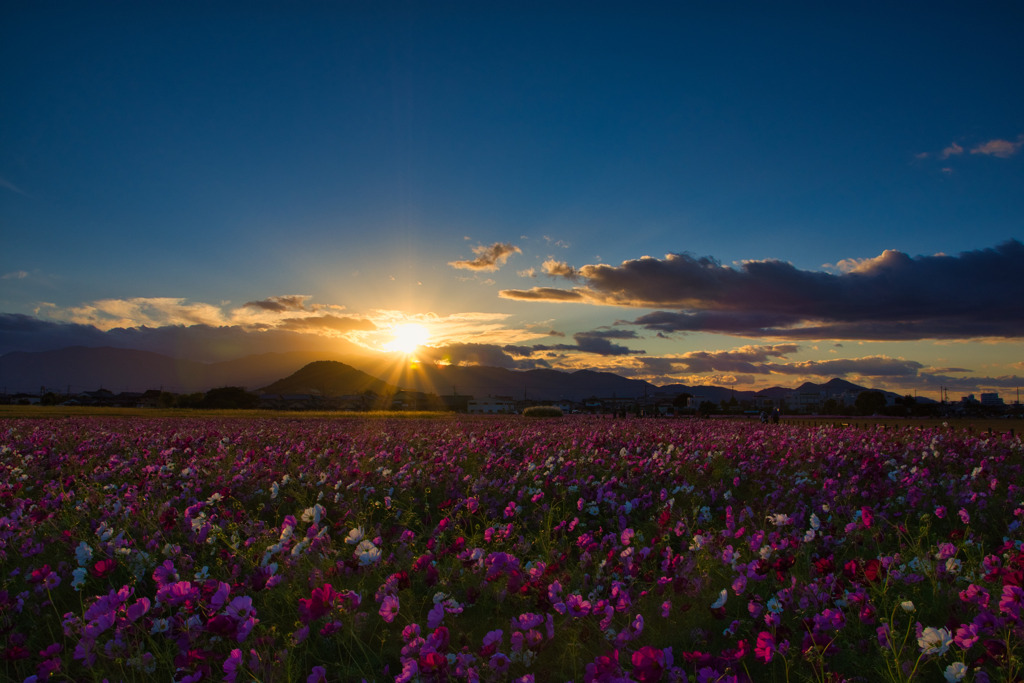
<point>408,337</point>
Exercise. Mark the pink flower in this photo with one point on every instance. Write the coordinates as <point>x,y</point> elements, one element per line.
<point>765,648</point>
<point>1012,601</point>
<point>389,608</point>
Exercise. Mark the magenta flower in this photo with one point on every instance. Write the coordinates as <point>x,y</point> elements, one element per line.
<point>648,664</point>
<point>136,610</point>
<point>1012,601</point>
<point>318,604</point>
<point>765,648</point>
<point>389,608</point>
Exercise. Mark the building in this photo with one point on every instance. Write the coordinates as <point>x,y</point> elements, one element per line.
<point>492,405</point>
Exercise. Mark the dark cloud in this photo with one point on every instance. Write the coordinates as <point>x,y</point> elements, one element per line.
<point>748,359</point>
<point>594,341</point>
<point>477,354</point>
<point>20,332</point>
<point>488,258</point>
<point>869,366</point>
<point>970,384</point>
<point>280,304</point>
<point>891,297</point>
<point>203,343</point>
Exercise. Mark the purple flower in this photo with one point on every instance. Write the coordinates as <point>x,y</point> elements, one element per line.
<point>232,664</point>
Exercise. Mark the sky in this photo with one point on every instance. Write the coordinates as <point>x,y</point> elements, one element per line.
<point>740,194</point>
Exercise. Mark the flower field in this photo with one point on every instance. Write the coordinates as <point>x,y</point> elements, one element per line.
<point>507,549</point>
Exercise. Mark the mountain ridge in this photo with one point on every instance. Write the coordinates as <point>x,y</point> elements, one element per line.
<point>82,368</point>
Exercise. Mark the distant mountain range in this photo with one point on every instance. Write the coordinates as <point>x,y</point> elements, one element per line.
<point>82,368</point>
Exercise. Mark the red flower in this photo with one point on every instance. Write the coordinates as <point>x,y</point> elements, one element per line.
<point>648,664</point>
<point>103,568</point>
<point>38,575</point>
<point>319,604</point>
<point>432,661</point>
<point>221,625</point>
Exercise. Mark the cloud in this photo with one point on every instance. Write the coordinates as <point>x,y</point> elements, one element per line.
<point>595,341</point>
<point>280,304</point>
<point>953,150</point>
<point>869,366</point>
<point>1002,149</point>
<point>323,323</point>
<point>488,258</point>
<point>890,297</point>
<point>8,185</point>
<point>544,294</point>
<point>477,354</point>
<point>203,343</point>
<point>746,359</point>
<point>14,275</point>
<point>107,314</point>
<point>559,269</point>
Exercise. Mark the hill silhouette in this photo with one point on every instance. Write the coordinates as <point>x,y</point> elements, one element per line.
<point>329,378</point>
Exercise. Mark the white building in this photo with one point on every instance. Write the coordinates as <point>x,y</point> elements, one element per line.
<point>491,406</point>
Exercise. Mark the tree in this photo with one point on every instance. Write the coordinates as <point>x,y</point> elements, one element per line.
<point>230,397</point>
<point>869,402</point>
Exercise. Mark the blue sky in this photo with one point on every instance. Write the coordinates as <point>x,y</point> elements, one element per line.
<point>497,172</point>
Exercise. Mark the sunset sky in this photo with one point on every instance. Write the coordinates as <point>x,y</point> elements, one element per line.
<point>740,194</point>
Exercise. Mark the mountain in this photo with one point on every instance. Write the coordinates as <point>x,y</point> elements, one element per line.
<point>81,368</point>
<point>482,381</point>
<point>329,378</point>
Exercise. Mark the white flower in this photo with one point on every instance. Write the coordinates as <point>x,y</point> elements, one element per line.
<point>367,553</point>
<point>79,578</point>
<point>779,520</point>
<point>908,606</point>
<point>720,602</point>
<point>955,672</point>
<point>84,553</point>
<point>815,522</point>
<point>934,641</point>
<point>354,536</point>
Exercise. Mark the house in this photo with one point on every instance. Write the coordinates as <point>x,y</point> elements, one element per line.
<point>492,405</point>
